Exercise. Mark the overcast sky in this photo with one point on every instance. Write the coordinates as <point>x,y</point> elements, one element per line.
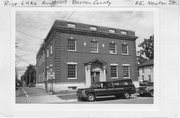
<point>32,27</point>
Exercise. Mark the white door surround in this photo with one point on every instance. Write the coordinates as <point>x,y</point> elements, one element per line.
<point>95,66</point>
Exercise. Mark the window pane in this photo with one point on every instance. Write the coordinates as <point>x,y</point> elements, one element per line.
<point>126,71</point>
<point>124,49</point>
<point>71,71</point>
<point>71,44</point>
<point>112,48</point>
<point>113,71</point>
<point>94,46</point>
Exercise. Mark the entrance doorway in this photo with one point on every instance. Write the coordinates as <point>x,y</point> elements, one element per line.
<point>95,77</point>
<point>95,71</point>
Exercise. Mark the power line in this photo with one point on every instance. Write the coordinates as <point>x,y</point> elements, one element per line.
<point>28,34</point>
<point>70,16</point>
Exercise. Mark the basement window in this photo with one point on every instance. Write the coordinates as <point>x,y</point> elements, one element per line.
<point>71,88</point>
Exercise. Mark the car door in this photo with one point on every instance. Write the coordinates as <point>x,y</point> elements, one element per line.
<point>110,88</point>
<point>101,89</point>
<point>118,88</point>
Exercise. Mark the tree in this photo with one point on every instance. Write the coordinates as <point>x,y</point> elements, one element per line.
<point>29,75</point>
<point>147,50</point>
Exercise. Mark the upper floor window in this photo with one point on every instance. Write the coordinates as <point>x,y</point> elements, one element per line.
<point>124,49</point>
<point>142,77</point>
<point>114,71</point>
<point>93,28</point>
<point>124,32</point>
<point>50,49</point>
<point>126,71</point>
<point>112,31</point>
<point>71,45</point>
<point>142,69</point>
<point>71,25</point>
<point>112,48</point>
<point>149,77</point>
<point>47,52</point>
<point>94,46</point>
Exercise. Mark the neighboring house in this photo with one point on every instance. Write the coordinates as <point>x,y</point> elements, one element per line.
<point>76,55</point>
<point>146,71</point>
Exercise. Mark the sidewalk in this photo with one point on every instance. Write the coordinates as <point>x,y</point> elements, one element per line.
<point>35,95</point>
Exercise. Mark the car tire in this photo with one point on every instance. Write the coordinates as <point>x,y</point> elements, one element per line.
<point>90,97</point>
<point>152,93</point>
<point>126,95</point>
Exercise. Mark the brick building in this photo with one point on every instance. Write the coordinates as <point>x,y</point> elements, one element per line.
<point>75,55</point>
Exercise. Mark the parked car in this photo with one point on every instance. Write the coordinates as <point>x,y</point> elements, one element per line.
<point>18,84</point>
<point>118,88</point>
<point>147,88</point>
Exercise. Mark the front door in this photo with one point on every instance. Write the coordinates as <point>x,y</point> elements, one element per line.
<point>95,77</point>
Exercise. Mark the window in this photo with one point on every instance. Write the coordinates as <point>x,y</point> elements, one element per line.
<point>124,32</point>
<point>71,45</point>
<point>151,67</point>
<point>71,25</point>
<point>93,28</point>
<point>142,77</point>
<point>47,52</point>
<point>149,77</point>
<point>94,46</point>
<point>112,31</point>
<point>112,48</point>
<point>50,47</point>
<point>142,69</point>
<point>126,71</point>
<point>114,71</point>
<point>72,71</point>
<point>124,49</point>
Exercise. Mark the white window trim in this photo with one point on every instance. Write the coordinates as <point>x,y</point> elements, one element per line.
<point>115,49</point>
<point>127,50</point>
<point>71,25</point>
<point>129,70</point>
<point>113,31</point>
<point>93,28</point>
<point>117,71</point>
<point>73,63</point>
<point>97,48</point>
<point>75,45</point>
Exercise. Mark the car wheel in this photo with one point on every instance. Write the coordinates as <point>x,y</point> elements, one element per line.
<point>152,93</point>
<point>126,95</point>
<point>91,97</point>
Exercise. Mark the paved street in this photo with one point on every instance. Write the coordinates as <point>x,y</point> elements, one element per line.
<point>35,95</point>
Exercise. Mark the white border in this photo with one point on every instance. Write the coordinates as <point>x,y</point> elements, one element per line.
<point>88,107</point>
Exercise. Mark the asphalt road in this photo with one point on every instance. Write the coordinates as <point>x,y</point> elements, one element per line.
<point>34,95</point>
